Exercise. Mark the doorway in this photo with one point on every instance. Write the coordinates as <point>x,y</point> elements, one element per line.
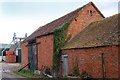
<point>32,56</point>
<point>64,64</point>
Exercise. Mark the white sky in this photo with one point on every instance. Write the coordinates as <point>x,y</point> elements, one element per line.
<point>21,16</point>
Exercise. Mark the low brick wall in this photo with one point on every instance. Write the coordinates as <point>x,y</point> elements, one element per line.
<point>10,58</point>
<point>90,60</point>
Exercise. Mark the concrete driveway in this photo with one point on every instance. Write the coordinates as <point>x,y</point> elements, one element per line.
<point>6,70</point>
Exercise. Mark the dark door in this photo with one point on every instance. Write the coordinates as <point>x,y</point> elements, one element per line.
<point>19,55</point>
<point>64,64</point>
<point>32,57</point>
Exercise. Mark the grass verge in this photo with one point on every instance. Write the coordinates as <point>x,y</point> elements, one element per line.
<point>28,73</point>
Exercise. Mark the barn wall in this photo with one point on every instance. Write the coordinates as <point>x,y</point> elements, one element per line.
<point>83,19</point>
<point>45,48</point>
<point>90,59</point>
<point>45,51</point>
<point>24,54</point>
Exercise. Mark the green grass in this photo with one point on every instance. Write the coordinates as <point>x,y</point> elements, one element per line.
<point>28,73</point>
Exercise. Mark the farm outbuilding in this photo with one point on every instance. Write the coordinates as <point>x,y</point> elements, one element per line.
<point>17,51</point>
<point>96,48</point>
<point>42,47</point>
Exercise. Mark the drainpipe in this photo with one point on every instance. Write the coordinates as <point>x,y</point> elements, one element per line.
<point>103,66</point>
<point>2,55</point>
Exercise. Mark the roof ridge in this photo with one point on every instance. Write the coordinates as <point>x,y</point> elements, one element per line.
<point>97,9</point>
<point>47,28</point>
<point>66,14</point>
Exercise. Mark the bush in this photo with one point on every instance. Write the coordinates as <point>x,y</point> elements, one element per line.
<point>85,75</point>
<point>70,75</point>
<point>76,68</point>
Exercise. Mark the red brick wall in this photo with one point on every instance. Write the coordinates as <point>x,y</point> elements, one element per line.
<point>45,51</point>
<point>24,54</point>
<point>119,61</point>
<point>90,59</point>
<point>10,58</point>
<point>83,19</point>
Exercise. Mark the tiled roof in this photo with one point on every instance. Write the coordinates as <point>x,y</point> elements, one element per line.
<point>99,33</point>
<point>56,23</point>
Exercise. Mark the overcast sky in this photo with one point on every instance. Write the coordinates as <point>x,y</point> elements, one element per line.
<point>21,16</point>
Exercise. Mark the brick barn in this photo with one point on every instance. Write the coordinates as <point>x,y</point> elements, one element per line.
<point>38,47</point>
<point>95,43</point>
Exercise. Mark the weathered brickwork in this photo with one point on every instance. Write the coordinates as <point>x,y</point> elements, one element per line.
<point>45,43</point>
<point>24,54</point>
<point>119,60</point>
<point>10,58</point>
<point>45,51</point>
<point>86,16</point>
<point>90,60</point>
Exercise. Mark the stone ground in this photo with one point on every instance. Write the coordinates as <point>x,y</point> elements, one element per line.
<point>6,70</point>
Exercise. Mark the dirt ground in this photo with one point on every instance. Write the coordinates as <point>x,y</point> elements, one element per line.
<point>6,70</point>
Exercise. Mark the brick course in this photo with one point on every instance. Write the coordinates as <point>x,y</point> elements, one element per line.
<point>45,48</point>
<point>45,51</point>
<point>24,54</point>
<point>10,58</point>
<point>82,19</point>
<point>90,59</point>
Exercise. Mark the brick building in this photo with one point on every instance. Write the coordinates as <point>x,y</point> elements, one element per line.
<point>38,47</point>
<point>98,39</point>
